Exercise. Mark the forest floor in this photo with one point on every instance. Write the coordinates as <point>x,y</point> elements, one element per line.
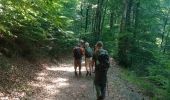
<point>56,81</point>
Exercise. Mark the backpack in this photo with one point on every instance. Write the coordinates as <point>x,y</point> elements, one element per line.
<point>103,60</point>
<point>88,52</point>
<point>77,52</point>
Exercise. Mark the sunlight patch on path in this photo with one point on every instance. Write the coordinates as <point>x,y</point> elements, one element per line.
<point>64,67</point>
<point>54,68</point>
<point>49,82</point>
<point>58,82</point>
<point>13,96</point>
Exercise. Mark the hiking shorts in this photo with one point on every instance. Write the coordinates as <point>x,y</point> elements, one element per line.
<point>77,62</point>
<point>88,61</point>
<point>88,64</point>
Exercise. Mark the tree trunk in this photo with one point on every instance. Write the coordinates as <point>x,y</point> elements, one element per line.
<point>136,19</point>
<point>87,17</point>
<point>123,44</point>
<point>81,12</point>
<point>103,17</point>
<point>111,20</point>
<point>98,19</point>
<point>128,15</point>
<point>163,33</point>
<point>166,43</point>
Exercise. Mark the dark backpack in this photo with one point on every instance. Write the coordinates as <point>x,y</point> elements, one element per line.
<point>103,58</point>
<point>77,52</point>
<point>88,52</point>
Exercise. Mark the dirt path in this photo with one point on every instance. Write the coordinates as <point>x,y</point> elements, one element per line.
<point>57,82</point>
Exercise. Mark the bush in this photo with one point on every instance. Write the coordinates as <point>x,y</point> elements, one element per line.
<point>4,64</point>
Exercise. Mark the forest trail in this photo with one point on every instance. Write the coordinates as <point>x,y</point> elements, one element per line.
<point>57,82</point>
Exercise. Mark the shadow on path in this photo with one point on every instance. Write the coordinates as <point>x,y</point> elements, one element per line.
<point>57,82</point>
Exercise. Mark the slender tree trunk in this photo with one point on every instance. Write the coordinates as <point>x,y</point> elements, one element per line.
<point>123,44</point>
<point>92,24</point>
<point>135,22</point>
<point>136,19</point>
<point>128,15</point>
<point>166,43</point>
<point>163,33</point>
<point>123,20</point>
<point>98,18</point>
<point>111,20</point>
<point>87,18</point>
<point>81,12</point>
<point>103,17</point>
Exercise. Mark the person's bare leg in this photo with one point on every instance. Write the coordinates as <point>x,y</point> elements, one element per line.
<point>86,65</point>
<point>90,68</point>
<point>93,63</point>
<point>79,64</point>
<point>75,67</point>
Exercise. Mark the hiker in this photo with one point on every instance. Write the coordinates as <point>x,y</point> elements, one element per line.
<point>88,59</point>
<point>93,62</point>
<point>78,52</point>
<point>82,43</point>
<point>101,59</point>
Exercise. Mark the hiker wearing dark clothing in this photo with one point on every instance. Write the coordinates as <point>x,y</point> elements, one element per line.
<point>88,59</point>
<point>102,64</point>
<point>78,52</point>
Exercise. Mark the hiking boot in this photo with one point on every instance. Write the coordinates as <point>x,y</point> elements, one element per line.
<point>100,98</point>
<point>75,73</point>
<point>87,73</point>
<point>90,74</point>
<point>79,73</point>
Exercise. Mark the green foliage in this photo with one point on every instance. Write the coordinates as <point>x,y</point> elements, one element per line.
<point>4,65</point>
<point>148,88</point>
<point>30,24</point>
<point>139,39</point>
<point>142,45</point>
<point>159,80</point>
<point>89,38</point>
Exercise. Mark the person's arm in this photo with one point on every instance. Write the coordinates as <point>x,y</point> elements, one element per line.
<point>83,51</point>
<point>73,51</point>
<point>93,59</point>
<point>108,58</point>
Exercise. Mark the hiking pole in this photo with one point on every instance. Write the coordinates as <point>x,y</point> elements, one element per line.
<point>107,87</point>
<point>94,89</point>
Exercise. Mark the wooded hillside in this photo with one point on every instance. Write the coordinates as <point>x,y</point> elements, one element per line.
<point>135,32</point>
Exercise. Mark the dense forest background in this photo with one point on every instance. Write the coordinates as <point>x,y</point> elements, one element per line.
<point>135,32</point>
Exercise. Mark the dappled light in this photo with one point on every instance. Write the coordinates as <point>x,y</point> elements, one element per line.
<point>67,68</point>
<point>41,74</point>
<point>64,67</point>
<point>50,85</point>
<point>15,96</point>
<point>53,80</point>
<point>58,82</point>
<point>42,40</point>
